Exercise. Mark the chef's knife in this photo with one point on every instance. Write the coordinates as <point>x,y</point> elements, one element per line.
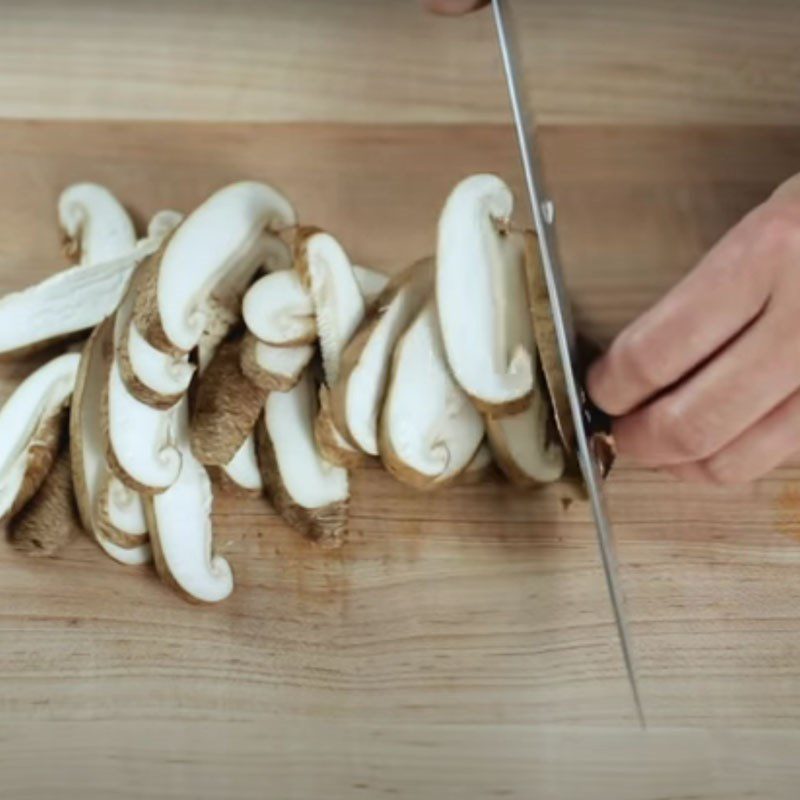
<point>583,417</point>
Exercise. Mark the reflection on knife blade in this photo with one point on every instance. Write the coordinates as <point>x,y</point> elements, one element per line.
<point>582,434</point>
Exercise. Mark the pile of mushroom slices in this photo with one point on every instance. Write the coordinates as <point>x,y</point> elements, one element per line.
<point>238,349</point>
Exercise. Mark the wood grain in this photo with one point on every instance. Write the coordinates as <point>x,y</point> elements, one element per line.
<point>286,760</point>
<point>385,60</point>
<point>461,645</point>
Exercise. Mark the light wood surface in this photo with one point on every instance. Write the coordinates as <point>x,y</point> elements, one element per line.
<point>461,645</point>
<point>385,60</point>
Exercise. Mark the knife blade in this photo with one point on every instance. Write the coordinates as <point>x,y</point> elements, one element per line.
<point>543,211</point>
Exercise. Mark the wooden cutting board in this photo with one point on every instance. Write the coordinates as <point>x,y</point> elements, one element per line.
<point>461,644</point>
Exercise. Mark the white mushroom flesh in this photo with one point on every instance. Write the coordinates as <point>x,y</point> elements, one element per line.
<point>522,444</point>
<point>106,497</point>
<point>141,437</point>
<point>181,519</point>
<point>123,507</point>
<point>283,362</point>
<point>371,282</point>
<point>243,468</point>
<point>38,397</point>
<point>278,310</point>
<point>211,242</point>
<point>428,421</point>
<point>70,301</point>
<point>266,252</point>
<point>338,303</point>
<point>481,296</point>
<point>365,385</point>
<point>162,373</point>
<point>289,417</point>
<point>129,556</point>
<point>93,218</point>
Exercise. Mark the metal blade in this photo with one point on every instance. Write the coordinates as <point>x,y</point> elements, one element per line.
<point>544,217</point>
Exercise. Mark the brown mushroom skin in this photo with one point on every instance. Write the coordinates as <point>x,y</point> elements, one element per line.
<point>42,454</point>
<point>601,440</point>
<point>227,486</point>
<point>329,437</point>
<point>145,315</point>
<point>226,407</point>
<point>326,525</point>
<point>46,525</point>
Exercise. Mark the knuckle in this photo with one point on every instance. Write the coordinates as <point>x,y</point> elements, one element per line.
<point>685,433</point>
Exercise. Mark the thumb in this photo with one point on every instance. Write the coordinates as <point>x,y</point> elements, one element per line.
<point>453,6</point>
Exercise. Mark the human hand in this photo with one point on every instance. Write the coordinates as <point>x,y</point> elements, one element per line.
<point>706,384</point>
<point>453,6</point>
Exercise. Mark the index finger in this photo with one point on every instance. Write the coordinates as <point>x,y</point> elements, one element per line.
<point>715,302</point>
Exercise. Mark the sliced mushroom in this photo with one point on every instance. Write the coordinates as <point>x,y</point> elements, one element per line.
<point>267,252</point>
<point>138,423</point>
<point>308,492</point>
<point>119,512</point>
<point>170,309</point>
<point>281,310</point>
<point>32,419</point>
<point>328,275</point>
<point>66,303</point>
<point>49,521</point>
<point>226,407</point>
<point>429,429</point>
<point>241,474</point>
<point>479,469</point>
<point>357,396</point>
<point>163,223</point>
<point>129,556</point>
<point>278,310</point>
<point>141,449</point>
<point>332,445</point>
<point>339,307</point>
<point>481,299</point>
<point>156,378</point>
<point>523,446</point>
<point>546,341</point>
<point>371,282</point>
<point>224,306</point>
<point>72,300</point>
<point>274,369</point>
<point>179,520</point>
<point>109,510</point>
<point>152,376</point>
<point>97,227</point>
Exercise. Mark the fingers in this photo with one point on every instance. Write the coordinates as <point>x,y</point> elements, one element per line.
<point>453,6</point>
<point>708,308</point>
<point>764,446</point>
<point>708,380</point>
<point>788,193</point>
<point>735,390</point>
